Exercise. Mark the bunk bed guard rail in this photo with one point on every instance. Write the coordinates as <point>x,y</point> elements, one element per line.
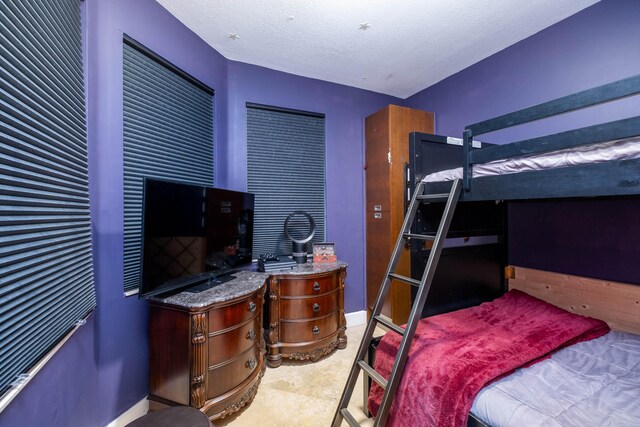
<point>618,129</point>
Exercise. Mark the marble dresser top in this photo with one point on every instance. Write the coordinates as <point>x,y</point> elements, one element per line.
<point>310,268</point>
<point>245,283</point>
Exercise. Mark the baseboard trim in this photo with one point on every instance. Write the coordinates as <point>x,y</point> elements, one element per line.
<point>133,413</point>
<point>356,318</point>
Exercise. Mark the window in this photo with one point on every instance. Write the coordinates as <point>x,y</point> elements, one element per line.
<point>168,134</point>
<point>286,172</point>
<point>46,271</point>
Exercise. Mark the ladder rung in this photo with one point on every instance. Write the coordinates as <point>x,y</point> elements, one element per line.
<point>397,329</point>
<point>405,279</point>
<point>433,197</point>
<point>349,418</point>
<point>372,373</point>
<point>420,236</point>
<point>391,385</point>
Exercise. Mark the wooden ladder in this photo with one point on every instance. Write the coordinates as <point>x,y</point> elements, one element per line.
<point>391,385</point>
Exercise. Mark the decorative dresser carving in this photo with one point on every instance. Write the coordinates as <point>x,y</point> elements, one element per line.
<point>305,312</point>
<point>207,349</point>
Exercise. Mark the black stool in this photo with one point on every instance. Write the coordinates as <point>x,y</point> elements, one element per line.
<point>174,416</point>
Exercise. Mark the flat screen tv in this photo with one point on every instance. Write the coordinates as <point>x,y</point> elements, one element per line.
<point>192,236</point>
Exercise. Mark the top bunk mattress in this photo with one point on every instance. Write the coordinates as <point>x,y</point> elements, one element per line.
<point>622,149</point>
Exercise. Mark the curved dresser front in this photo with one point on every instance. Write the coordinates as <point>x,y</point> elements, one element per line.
<point>207,349</point>
<point>305,312</point>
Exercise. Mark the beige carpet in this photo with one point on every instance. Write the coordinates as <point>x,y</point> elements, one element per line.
<point>304,394</point>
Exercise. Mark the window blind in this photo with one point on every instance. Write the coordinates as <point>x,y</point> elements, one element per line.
<point>46,272</point>
<point>286,172</point>
<point>168,134</point>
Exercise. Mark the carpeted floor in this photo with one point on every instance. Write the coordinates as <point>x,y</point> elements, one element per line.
<point>304,394</point>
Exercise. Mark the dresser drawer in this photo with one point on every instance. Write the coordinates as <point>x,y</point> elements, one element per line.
<point>224,377</point>
<point>226,317</point>
<point>308,307</point>
<point>307,331</point>
<point>227,345</point>
<point>308,286</point>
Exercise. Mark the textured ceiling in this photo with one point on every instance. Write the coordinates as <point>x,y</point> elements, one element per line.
<point>392,47</point>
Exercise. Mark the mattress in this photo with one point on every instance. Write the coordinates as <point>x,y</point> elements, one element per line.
<point>593,383</point>
<point>622,149</point>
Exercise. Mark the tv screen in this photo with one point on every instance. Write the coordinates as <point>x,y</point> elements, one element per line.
<point>192,235</point>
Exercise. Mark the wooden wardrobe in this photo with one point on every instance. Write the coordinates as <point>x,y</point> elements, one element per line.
<point>387,154</point>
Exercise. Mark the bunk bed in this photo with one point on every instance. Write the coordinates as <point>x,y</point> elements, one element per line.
<point>608,178</point>
<point>616,173</point>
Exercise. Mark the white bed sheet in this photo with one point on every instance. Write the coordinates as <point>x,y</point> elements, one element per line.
<point>622,149</point>
<point>594,383</point>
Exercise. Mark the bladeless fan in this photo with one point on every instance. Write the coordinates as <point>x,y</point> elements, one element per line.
<point>300,232</point>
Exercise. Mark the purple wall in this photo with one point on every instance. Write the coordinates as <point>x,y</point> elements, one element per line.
<point>597,46</point>
<point>102,370</point>
<point>583,237</point>
<point>345,109</point>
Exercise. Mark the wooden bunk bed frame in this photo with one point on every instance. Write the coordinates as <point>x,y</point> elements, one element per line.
<point>612,178</point>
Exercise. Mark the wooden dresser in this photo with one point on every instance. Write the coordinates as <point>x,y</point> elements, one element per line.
<point>207,349</point>
<point>387,154</point>
<point>305,312</point>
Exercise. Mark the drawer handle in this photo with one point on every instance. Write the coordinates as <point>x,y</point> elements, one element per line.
<point>251,335</point>
<point>316,330</point>
<point>316,307</point>
<point>251,363</point>
<point>316,286</point>
<point>252,306</point>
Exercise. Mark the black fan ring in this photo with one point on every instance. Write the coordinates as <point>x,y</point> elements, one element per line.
<point>312,227</point>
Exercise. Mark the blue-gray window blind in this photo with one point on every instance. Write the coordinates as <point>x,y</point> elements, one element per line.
<point>286,172</point>
<point>168,134</point>
<point>46,271</point>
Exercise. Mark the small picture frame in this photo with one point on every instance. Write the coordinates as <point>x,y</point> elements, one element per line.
<point>324,252</point>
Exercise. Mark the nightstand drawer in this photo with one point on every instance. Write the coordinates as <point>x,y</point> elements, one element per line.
<point>226,317</point>
<point>308,285</point>
<point>227,345</point>
<point>308,331</point>
<point>226,376</point>
<point>308,307</point>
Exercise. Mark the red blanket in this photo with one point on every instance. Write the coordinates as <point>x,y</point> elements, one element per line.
<point>454,355</point>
